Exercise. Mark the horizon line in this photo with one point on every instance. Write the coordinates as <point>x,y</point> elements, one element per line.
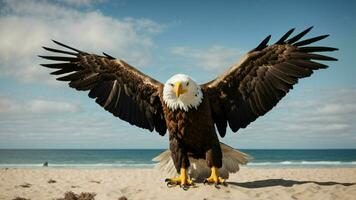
<point>166,148</point>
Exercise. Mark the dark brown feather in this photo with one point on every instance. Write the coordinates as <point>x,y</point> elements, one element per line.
<point>292,70</point>
<point>263,44</point>
<point>61,65</point>
<point>316,49</point>
<point>307,64</point>
<point>283,77</point>
<point>285,36</point>
<point>59,51</point>
<point>308,56</point>
<point>87,81</point>
<point>68,47</point>
<point>310,40</point>
<point>60,58</point>
<point>299,36</point>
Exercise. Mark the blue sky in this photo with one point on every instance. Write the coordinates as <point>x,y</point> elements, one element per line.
<point>162,38</point>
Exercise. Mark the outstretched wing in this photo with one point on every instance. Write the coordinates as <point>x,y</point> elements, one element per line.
<point>261,79</point>
<point>115,85</point>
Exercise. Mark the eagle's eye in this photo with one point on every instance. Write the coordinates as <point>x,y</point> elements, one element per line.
<point>171,84</point>
<point>187,83</point>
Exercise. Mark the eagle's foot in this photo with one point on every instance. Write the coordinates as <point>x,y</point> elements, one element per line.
<point>215,179</point>
<point>182,180</point>
<point>184,183</point>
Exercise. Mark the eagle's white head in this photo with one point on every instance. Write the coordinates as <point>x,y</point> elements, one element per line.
<point>182,92</point>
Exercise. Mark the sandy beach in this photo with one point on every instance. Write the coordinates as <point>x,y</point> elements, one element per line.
<point>249,183</point>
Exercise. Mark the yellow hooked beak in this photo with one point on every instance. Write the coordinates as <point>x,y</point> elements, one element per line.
<point>178,89</point>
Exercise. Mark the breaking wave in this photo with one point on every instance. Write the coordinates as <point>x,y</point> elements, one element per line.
<point>96,165</point>
<point>303,163</point>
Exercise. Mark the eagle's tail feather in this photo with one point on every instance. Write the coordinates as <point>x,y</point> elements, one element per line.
<point>165,163</point>
<point>198,170</point>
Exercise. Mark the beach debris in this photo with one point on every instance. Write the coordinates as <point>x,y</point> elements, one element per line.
<point>52,181</point>
<point>75,186</point>
<point>20,198</point>
<point>82,196</point>
<point>25,185</point>
<point>45,164</point>
<point>122,198</point>
<point>98,182</point>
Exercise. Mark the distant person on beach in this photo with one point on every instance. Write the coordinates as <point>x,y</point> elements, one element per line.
<point>45,164</point>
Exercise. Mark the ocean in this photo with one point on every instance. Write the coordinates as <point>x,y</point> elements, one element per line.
<point>142,158</point>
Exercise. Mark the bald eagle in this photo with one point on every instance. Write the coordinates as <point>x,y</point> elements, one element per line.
<point>193,113</point>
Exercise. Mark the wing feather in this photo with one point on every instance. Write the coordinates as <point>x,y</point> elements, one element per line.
<point>311,40</point>
<point>316,49</point>
<point>299,36</point>
<point>285,36</point>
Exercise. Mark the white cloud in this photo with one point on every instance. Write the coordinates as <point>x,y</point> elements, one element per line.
<point>81,2</point>
<point>326,112</point>
<point>7,106</point>
<point>145,25</point>
<point>10,106</point>
<point>215,58</point>
<point>28,26</point>
<point>337,108</point>
<point>45,106</point>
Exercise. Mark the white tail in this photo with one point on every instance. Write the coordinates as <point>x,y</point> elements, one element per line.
<point>199,170</point>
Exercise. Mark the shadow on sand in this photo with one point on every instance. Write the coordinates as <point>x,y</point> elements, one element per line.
<point>284,183</point>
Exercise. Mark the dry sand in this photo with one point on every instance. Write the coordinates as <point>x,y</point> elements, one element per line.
<point>249,183</point>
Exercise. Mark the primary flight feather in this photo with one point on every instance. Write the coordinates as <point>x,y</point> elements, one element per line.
<point>188,110</point>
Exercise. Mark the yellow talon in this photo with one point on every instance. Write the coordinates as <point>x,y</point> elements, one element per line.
<point>181,180</point>
<point>214,178</point>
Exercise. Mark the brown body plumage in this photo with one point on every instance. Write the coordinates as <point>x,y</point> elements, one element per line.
<point>189,138</point>
<point>246,91</point>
